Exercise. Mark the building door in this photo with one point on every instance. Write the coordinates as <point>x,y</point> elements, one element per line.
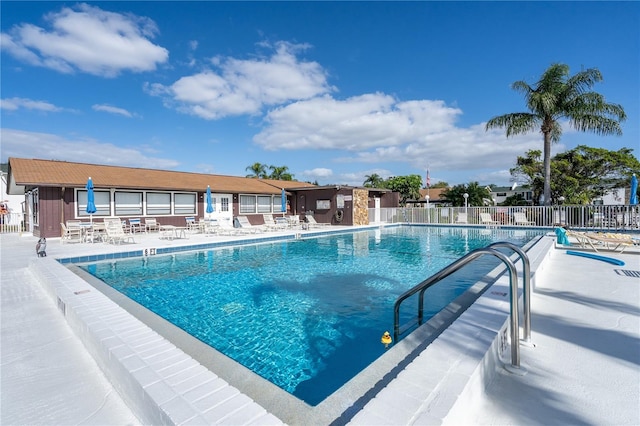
<point>223,208</point>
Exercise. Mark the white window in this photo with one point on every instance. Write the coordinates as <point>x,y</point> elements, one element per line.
<point>247,204</point>
<point>184,204</point>
<point>158,203</point>
<point>128,203</point>
<point>264,203</point>
<point>102,200</point>
<point>224,203</point>
<point>277,203</point>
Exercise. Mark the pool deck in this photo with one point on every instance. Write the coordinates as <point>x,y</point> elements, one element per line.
<point>583,369</point>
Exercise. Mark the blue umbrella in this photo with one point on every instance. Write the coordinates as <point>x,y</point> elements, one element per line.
<point>283,200</point>
<point>633,198</point>
<point>210,208</point>
<point>91,204</point>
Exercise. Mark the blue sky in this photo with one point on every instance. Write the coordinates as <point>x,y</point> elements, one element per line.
<point>335,91</point>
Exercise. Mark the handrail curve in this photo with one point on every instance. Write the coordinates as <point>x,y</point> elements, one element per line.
<point>450,269</point>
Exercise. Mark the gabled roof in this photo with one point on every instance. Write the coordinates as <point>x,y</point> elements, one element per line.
<point>33,172</point>
<point>434,193</point>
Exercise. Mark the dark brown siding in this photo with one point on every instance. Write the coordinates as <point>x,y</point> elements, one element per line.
<point>50,211</point>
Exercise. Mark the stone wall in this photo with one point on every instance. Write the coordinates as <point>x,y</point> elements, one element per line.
<point>360,207</point>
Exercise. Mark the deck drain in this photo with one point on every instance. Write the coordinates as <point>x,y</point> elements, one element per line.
<point>628,273</point>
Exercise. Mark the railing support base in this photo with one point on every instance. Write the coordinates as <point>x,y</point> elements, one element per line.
<point>518,371</point>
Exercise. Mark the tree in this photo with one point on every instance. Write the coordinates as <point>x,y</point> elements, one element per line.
<point>440,184</point>
<point>581,174</point>
<point>530,169</point>
<point>373,181</point>
<point>280,173</point>
<point>258,170</point>
<point>515,200</point>
<point>559,96</point>
<point>407,186</point>
<point>476,194</point>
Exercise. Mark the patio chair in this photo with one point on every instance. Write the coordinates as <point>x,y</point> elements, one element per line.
<point>294,221</point>
<point>135,225</point>
<point>151,224</point>
<point>245,224</point>
<point>270,223</point>
<point>225,227</point>
<point>462,218</point>
<point>313,224</point>
<point>520,218</point>
<point>115,233</point>
<point>97,232</point>
<point>192,225</point>
<point>602,240</point>
<point>485,219</point>
<point>70,235</point>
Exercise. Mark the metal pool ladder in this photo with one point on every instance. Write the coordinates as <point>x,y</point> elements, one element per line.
<point>513,286</point>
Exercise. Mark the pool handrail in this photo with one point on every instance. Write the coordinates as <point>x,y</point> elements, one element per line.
<point>455,266</point>
<point>526,287</point>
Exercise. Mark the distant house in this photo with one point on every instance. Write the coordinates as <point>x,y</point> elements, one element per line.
<point>500,193</point>
<point>434,198</point>
<point>54,192</point>
<point>615,197</point>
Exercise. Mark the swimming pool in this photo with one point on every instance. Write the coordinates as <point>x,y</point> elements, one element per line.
<point>307,314</point>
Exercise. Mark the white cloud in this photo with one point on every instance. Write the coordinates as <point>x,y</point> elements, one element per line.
<point>317,173</point>
<point>245,86</point>
<point>24,144</point>
<point>88,39</point>
<point>13,104</point>
<point>354,124</point>
<point>113,110</point>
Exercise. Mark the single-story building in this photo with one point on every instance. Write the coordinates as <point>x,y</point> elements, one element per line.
<point>55,191</point>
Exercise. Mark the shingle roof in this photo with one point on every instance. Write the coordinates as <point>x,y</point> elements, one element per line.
<point>35,172</point>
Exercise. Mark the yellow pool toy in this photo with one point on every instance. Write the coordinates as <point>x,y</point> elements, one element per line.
<point>386,339</point>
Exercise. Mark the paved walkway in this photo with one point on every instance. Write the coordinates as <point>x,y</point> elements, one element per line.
<point>47,376</point>
<point>585,366</point>
<point>584,369</point>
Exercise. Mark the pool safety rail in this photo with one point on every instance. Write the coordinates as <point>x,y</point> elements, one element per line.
<point>526,288</point>
<point>513,286</point>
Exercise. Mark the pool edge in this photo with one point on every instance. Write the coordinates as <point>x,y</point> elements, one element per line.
<point>155,403</point>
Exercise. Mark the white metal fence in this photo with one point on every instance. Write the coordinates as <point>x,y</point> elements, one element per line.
<point>11,223</point>
<point>610,217</point>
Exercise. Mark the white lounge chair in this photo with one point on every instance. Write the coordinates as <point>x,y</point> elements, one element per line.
<point>246,225</point>
<point>520,218</point>
<point>606,241</point>
<point>294,221</point>
<point>462,218</point>
<point>313,224</point>
<point>270,223</point>
<point>485,219</point>
<point>225,227</point>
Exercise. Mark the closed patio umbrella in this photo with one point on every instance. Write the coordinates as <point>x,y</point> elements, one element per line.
<point>210,208</point>
<point>633,198</point>
<point>283,201</point>
<point>91,204</point>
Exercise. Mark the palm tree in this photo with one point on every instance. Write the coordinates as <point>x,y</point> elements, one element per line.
<point>258,170</point>
<point>280,173</point>
<point>373,181</point>
<point>559,96</point>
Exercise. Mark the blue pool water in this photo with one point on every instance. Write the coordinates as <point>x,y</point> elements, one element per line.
<point>307,314</point>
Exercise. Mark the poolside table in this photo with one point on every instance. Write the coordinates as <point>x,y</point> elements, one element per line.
<point>171,232</point>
